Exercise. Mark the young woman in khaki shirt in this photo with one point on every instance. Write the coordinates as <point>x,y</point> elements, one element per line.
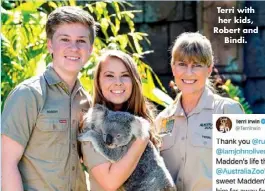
<point>117,85</point>
<point>186,125</point>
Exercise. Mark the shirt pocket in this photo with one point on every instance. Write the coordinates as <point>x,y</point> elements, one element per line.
<point>169,134</point>
<point>202,139</point>
<point>49,125</point>
<point>50,139</point>
<point>168,141</point>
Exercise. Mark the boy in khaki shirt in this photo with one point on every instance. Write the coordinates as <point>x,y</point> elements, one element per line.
<point>186,125</point>
<point>40,117</point>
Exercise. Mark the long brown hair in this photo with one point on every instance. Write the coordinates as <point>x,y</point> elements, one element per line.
<point>137,103</point>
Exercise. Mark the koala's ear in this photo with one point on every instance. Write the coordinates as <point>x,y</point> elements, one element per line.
<point>140,127</point>
<point>99,113</point>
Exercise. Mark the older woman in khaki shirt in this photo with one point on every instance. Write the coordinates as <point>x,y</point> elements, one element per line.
<point>186,125</point>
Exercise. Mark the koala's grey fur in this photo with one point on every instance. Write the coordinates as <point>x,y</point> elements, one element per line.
<point>112,133</point>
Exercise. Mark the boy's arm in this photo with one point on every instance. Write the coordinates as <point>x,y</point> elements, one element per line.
<point>11,154</point>
<point>18,119</point>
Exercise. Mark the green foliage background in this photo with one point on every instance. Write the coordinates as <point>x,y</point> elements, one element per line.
<point>24,53</point>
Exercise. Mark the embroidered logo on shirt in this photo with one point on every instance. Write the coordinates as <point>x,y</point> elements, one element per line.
<point>203,136</point>
<point>167,126</point>
<point>63,121</point>
<point>206,137</point>
<point>206,125</point>
<point>52,111</point>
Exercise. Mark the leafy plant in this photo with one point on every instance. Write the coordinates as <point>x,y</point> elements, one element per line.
<point>111,16</point>
<point>24,51</point>
<point>23,47</point>
<point>235,93</point>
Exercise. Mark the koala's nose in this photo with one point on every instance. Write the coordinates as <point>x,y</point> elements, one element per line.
<point>109,139</point>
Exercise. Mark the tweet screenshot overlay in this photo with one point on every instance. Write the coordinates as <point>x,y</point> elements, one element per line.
<point>239,152</point>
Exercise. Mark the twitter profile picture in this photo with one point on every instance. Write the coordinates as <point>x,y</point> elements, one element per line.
<point>223,124</point>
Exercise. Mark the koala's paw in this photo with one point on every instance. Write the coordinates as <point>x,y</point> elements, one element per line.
<point>88,135</point>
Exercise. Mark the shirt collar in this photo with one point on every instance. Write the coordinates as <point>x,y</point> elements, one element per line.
<point>53,78</point>
<point>179,109</point>
<point>206,101</point>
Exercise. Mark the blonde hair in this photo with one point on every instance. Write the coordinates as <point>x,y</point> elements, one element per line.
<point>137,103</point>
<point>192,46</point>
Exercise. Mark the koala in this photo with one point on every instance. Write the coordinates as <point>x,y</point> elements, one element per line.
<point>111,134</point>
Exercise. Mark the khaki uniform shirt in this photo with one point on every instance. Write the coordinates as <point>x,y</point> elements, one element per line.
<point>43,117</point>
<point>92,159</point>
<point>187,140</point>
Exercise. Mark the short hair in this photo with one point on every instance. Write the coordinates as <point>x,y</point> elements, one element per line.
<point>69,15</point>
<point>192,46</point>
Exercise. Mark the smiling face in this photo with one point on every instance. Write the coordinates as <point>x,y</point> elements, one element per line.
<point>190,77</point>
<point>70,47</point>
<point>115,81</point>
<point>191,63</point>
